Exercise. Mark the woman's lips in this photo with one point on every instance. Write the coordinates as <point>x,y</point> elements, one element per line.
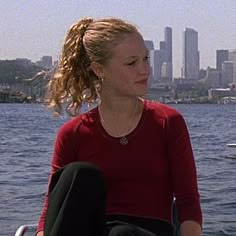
<point>144,81</point>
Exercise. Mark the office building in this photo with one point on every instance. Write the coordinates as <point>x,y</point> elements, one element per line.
<point>45,62</point>
<point>150,47</point>
<point>168,49</point>
<point>221,56</point>
<point>227,73</point>
<point>190,68</point>
<point>232,57</point>
<point>149,44</point>
<point>156,63</point>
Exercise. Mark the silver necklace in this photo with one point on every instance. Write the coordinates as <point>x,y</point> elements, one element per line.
<point>123,139</point>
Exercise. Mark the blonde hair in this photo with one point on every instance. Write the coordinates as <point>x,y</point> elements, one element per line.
<point>87,41</point>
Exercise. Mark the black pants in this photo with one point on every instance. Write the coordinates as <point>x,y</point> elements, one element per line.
<point>77,201</point>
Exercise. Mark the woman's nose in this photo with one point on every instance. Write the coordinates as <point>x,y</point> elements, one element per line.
<point>144,68</point>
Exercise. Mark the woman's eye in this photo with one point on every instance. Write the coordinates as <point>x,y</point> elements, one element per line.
<point>146,58</point>
<point>131,63</point>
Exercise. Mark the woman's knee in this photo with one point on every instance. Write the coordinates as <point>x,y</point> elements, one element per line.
<point>124,230</point>
<point>83,171</point>
<point>82,168</point>
<point>79,173</point>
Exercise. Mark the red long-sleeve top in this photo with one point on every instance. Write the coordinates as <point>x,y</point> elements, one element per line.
<point>143,176</point>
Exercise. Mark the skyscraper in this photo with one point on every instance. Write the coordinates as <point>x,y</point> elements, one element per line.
<point>162,59</point>
<point>221,56</point>
<point>149,44</point>
<point>227,73</point>
<point>232,57</point>
<point>155,63</point>
<point>190,67</point>
<point>150,47</point>
<point>168,41</point>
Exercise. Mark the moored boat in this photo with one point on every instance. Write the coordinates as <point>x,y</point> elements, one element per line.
<point>231,144</point>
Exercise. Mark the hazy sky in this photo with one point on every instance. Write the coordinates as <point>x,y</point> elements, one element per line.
<point>33,28</point>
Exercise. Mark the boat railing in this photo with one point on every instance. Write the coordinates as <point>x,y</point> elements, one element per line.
<point>26,230</point>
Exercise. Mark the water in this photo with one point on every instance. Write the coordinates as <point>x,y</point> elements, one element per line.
<point>27,136</point>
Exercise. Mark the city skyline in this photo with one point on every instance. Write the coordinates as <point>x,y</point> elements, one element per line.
<point>36,28</point>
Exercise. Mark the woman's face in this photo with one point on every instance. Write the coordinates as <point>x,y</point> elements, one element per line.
<point>127,72</point>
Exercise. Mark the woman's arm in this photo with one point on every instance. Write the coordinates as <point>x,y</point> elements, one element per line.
<point>190,227</point>
<point>183,174</point>
<point>63,154</point>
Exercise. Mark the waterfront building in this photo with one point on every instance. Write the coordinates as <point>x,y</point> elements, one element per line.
<point>212,79</point>
<point>218,93</point>
<point>21,62</point>
<point>227,73</point>
<point>45,62</point>
<point>190,68</point>
<point>232,57</point>
<point>221,56</point>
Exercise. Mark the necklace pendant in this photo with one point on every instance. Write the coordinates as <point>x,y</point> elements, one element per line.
<point>123,140</point>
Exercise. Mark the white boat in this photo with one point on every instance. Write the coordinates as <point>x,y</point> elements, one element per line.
<point>231,144</point>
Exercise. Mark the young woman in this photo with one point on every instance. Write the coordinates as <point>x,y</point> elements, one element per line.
<point>117,167</point>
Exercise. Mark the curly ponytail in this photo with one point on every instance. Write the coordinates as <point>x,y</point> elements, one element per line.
<point>86,41</point>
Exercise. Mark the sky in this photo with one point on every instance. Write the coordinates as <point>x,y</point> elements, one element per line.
<point>34,28</point>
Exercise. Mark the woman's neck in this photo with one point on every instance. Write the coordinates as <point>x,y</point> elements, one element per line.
<point>120,116</point>
<point>119,105</point>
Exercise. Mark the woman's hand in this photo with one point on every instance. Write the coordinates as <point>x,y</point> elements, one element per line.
<point>190,227</point>
<point>40,233</point>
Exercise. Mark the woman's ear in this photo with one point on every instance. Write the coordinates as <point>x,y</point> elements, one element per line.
<point>97,69</point>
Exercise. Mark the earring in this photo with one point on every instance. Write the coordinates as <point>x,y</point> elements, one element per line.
<point>101,79</point>
<point>86,93</point>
